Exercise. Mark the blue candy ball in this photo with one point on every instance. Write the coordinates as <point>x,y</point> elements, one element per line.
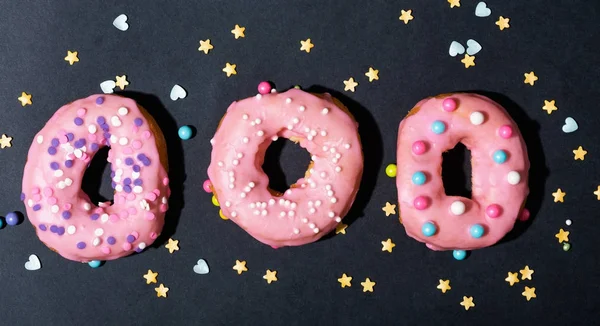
<point>459,254</point>
<point>428,229</point>
<point>476,231</point>
<point>1,223</point>
<point>438,127</point>
<point>12,218</point>
<point>499,156</point>
<point>185,132</point>
<point>419,178</point>
<point>95,263</point>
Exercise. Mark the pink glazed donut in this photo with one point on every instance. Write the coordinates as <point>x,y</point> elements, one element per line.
<point>315,204</point>
<point>500,169</point>
<point>65,219</point>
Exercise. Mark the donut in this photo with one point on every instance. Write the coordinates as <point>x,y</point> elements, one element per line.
<point>500,169</point>
<point>314,204</point>
<point>62,214</point>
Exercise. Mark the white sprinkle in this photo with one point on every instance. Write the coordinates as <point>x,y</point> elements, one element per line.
<point>263,212</point>
<point>513,177</point>
<point>99,232</point>
<point>231,186</point>
<point>243,195</point>
<point>311,225</point>
<point>247,189</point>
<point>87,206</point>
<point>212,141</point>
<point>252,205</point>
<point>78,153</point>
<point>568,222</point>
<point>313,133</point>
<point>301,108</point>
<point>260,133</point>
<point>245,140</point>
<point>317,203</point>
<point>306,129</point>
<point>231,173</point>
<point>233,214</point>
<point>347,146</point>
<point>235,162</point>
<point>118,188</point>
<point>251,184</point>
<point>257,212</point>
<point>457,207</point>
<point>115,121</point>
<point>290,127</point>
<point>324,111</point>
<point>334,160</point>
<point>58,173</point>
<point>328,187</point>
<point>293,205</point>
<point>338,169</point>
<point>333,200</point>
<point>288,192</point>
<point>240,155</point>
<point>137,189</point>
<point>323,133</point>
<point>304,220</point>
<point>312,210</point>
<point>123,141</point>
<point>119,171</point>
<point>288,100</point>
<point>54,209</point>
<point>245,116</point>
<point>330,193</point>
<point>282,214</point>
<point>40,139</point>
<point>476,118</point>
<point>220,163</point>
<point>228,204</point>
<point>325,148</point>
<point>257,121</point>
<point>142,245</point>
<point>61,185</point>
<point>310,203</point>
<point>323,175</point>
<point>273,90</point>
<point>113,139</point>
<point>316,230</point>
<point>274,138</point>
<point>71,229</point>
<point>295,120</point>
<point>271,202</point>
<point>332,150</point>
<point>96,242</point>
<point>309,137</point>
<point>258,96</point>
<point>92,129</point>
<point>104,218</point>
<point>123,111</point>
<point>331,214</point>
<point>338,219</point>
<point>296,231</point>
<point>232,179</point>
<point>291,213</point>
<point>68,181</point>
<point>144,205</point>
<point>135,175</point>
<point>313,157</point>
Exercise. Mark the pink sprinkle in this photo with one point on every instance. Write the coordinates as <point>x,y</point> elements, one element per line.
<point>35,190</point>
<point>37,197</point>
<point>150,216</point>
<point>505,131</point>
<point>146,134</point>
<point>136,144</point>
<point>168,192</point>
<point>105,250</point>
<point>98,210</point>
<point>114,217</point>
<point>52,200</point>
<point>135,129</point>
<point>421,202</point>
<point>70,156</point>
<point>163,208</point>
<point>48,191</point>
<point>128,150</point>
<point>63,139</point>
<point>81,112</point>
<point>449,105</point>
<point>206,186</point>
<point>153,235</point>
<point>156,191</point>
<point>493,210</point>
<point>166,181</point>
<point>127,246</point>
<point>525,214</point>
<point>124,214</point>
<point>132,210</point>
<point>84,156</point>
<point>130,196</point>
<point>67,206</point>
<point>135,234</point>
<point>151,196</point>
<point>264,87</point>
<point>419,147</point>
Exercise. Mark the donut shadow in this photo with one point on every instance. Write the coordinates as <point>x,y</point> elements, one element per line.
<point>169,128</point>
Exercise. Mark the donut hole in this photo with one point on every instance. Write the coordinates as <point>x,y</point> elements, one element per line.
<point>285,162</point>
<point>456,171</point>
<point>96,182</point>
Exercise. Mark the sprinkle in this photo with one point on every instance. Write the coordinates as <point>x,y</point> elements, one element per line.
<point>405,16</point>
<point>444,286</point>
<point>388,245</point>
<point>99,100</point>
<point>240,266</point>
<point>172,246</point>
<point>345,280</point>
<point>78,121</point>
<point>467,302</point>
<point>270,276</point>
<point>350,84</point>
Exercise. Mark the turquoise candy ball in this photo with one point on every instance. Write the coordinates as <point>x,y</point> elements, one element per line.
<point>459,254</point>
<point>476,231</point>
<point>95,263</point>
<point>419,178</point>
<point>438,127</point>
<point>428,229</point>
<point>499,156</point>
<point>185,132</point>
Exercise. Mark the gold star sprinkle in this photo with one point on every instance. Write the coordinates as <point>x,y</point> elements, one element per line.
<point>306,45</point>
<point>121,81</point>
<point>530,78</point>
<point>173,245</point>
<point>526,273</point>
<point>597,192</point>
<point>503,23</point>
<point>341,228</point>
<point>367,285</point>
<point>579,153</point>
<point>549,106</point>
<point>469,61</point>
<point>230,69</point>
<point>350,84</point>
<point>444,286</point>
<point>562,236</point>
<point>559,196</point>
<point>406,16</point>
<point>345,280</point>
<point>270,276</point>
<point>25,99</point>
<point>5,141</point>
<point>454,3</point>
<point>529,293</point>
<point>240,266</point>
<point>71,57</point>
<point>373,74</point>
<point>512,278</point>
<point>205,46</point>
<point>389,209</point>
<point>238,31</point>
<point>388,245</point>
<point>161,291</point>
<point>467,302</point>
<point>150,277</point>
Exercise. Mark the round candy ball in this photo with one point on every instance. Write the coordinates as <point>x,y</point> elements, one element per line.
<point>222,215</point>
<point>391,170</point>
<point>499,156</point>
<point>459,254</point>
<point>421,202</point>
<point>525,214</point>
<point>95,263</point>
<point>419,147</point>
<point>458,207</point>
<point>438,127</point>
<point>419,178</point>
<point>449,105</point>
<point>493,210</point>
<point>428,229</point>
<point>264,87</point>
<point>12,218</point>
<point>215,201</point>
<point>505,131</point>
<point>185,132</point>
<point>1,223</point>
<point>476,231</point>
<point>206,186</point>
<point>566,246</point>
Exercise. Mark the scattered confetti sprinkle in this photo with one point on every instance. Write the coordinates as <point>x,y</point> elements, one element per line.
<point>238,31</point>
<point>456,49</point>
<point>454,3</point>
<point>201,267</point>
<point>468,61</point>
<point>549,106</point>
<point>529,293</point>
<point>108,86</point>
<point>350,84</point>
<point>367,285</point>
<point>173,245</point>
<point>306,45</point>
<point>597,193</point>
<point>467,302</point>
<point>177,92</point>
<point>121,81</point>
<point>502,23</point>
<point>391,170</point>
<point>345,280</point>
<point>373,74</point>
<point>33,264</point>
<point>482,10</point>
<point>562,236</point>
<point>71,57</point>
<point>568,222</point>
<point>25,99</point>
<point>161,291</point>
<point>559,196</point>
<point>150,276</point>
<point>230,69</point>
<point>406,16</point>
<point>512,278</point>
<point>566,246</point>
<point>390,209</point>
<point>121,22</point>
<point>530,78</point>
<point>341,228</point>
<point>570,125</point>
<point>5,141</point>
<point>526,273</point>
<point>270,276</point>
<point>205,46</point>
<point>579,153</point>
<point>444,286</point>
<point>240,266</point>
<point>388,245</point>
<point>473,47</point>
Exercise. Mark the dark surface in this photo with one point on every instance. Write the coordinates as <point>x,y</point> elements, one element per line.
<point>558,40</point>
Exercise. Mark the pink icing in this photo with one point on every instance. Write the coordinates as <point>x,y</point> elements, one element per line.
<point>496,203</point>
<point>67,221</point>
<point>305,213</point>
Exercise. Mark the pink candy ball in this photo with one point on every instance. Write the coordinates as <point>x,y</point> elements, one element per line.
<point>206,186</point>
<point>449,105</point>
<point>525,214</point>
<point>264,88</point>
<point>505,131</point>
<point>421,202</point>
<point>493,210</point>
<point>419,147</point>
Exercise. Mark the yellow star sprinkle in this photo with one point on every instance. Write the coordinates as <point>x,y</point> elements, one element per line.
<point>579,153</point>
<point>512,278</point>
<point>406,16</point>
<point>530,78</point>
<point>161,291</point>
<point>468,60</point>
<point>270,276</point>
<point>25,99</point>
<point>306,45</point>
<point>240,266</point>
<point>373,74</point>
<point>388,245</point>
<point>238,31</point>
<point>205,46</point>
<point>5,141</point>
<point>526,273</point>
<point>597,192</point>
<point>467,302</point>
<point>341,228</point>
<point>444,286</point>
<point>454,3</point>
<point>367,285</point>
<point>549,106</point>
<point>350,84</point>
<point>389,209</point>
<point>150,277</point>
<point>230,69</point>
<point>71,57</point>
<point>529,293</point>
<point>562,236</point>
<point>121,81</point>
<point>173,245</point>
<point>503,23</point>
<point>345,280</point>
<point>559,196</point>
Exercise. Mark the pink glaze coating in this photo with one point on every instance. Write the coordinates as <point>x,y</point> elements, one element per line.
<point>495,203</point>
<point>64,218</point>
<point>316,203</point>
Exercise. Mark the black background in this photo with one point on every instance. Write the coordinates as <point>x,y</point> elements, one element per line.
<point>558,40</point>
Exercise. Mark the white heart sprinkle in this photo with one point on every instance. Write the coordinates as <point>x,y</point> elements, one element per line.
<point>33,264</point>
<point>201,267</point>
<point>456,49</point>
<point>473,47</point>
<point>108,86</point>
<point>570,125</point>
<point>177,92</point>
<point>482,10</point>
<point>121,22</point>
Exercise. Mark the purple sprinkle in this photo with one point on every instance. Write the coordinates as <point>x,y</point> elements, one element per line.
<point>22,197</point>
<point>70,136</point>
<point>138,250</point>
<point>37,207</point>
<point>60,231</point>
<point>107,136</point>
<point>113,184</point>
<point>66,215</point>
<point>136,168</point>
<point>69,163</point>
<point>104,127</point>
<point>137,182</point>
<point>129,161</point>
<point>53,229</point>
<point>127,181</point>
<point>55,142</point>
<point>80,143</point>
<point>112,174</point>
<point>94,216</point>
<point>127,189</point>
<point>130,238</point>
<point>94,147</point>
<point>78,121</point>
<point>51,150</point>
<point>54,166</point>
<point>146,162</point>
<point>138,122</point>
<point>111,240</point>
<point>100,100</point>
<point>141,156</point>
<point>42,227</point>
<point>81,245</point>
<point>101,120</point>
